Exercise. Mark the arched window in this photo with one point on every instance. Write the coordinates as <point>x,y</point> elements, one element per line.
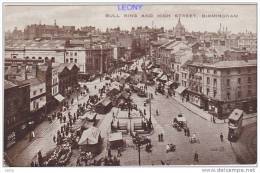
<point>14,57</point>
<point>46,59</point>
<point>33,57</point>
<point>40,58</point>
<point>27,57</point>
<point>52,59</point>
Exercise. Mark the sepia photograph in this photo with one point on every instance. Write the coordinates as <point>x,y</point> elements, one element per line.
<point>129,84</point>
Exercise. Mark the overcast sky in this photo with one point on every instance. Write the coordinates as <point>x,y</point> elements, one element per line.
<point>21,16</point>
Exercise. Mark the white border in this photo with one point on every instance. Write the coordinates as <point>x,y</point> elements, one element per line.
<point>118,169</point>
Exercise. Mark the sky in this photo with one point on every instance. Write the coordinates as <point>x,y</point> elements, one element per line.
<point>86,15</point>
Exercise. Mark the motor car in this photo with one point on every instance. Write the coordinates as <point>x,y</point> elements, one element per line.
<point>180,120</point>
<point>142,94</point>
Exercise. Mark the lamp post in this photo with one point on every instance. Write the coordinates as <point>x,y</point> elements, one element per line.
<point>150,108</point>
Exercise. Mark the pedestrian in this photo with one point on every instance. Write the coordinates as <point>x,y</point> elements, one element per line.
<point>119,152</point>
<point>157,112</point>
<point>188,132</point>
<point>109,153</point>
<point>221,137</point>
<point>196,157</point>
<point>78,162</point>
<point>144,112</point>
<point>32,164</point>
<point>54,139</point>
<point>185,132</point>
<point>161,136</point>
<point>214,120</point>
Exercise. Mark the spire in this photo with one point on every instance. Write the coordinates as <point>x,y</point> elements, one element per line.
<point>179,21</point>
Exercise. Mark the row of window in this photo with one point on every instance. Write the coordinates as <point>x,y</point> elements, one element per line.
<point>71,53</point>
<point>227,70</point>
<point>39,58</point>
<point>11,120</point>
<point>35,92</point>
<point>71,60</point>
<point>249,80</point>
<point>249,93</point>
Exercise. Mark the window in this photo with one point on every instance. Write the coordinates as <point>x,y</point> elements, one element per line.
<point>215,82</point>
<point>14,57</point>
<point>228,82</point>
<point>67,60</point>
<point>75,54</point>
<point>238,80</point>
<point>238,94</point>
<point>249,92</point>
<point>71,60</point>
<point>208,80</point>
<point>228,96</point>
<point>75,60</point>
<point>249,80</point>
<point>207,91</point>
<point>215,93</point>
<point>52,59</point>
<point>67,53</point>
<point>215,71</point>
<point>40,58</point>
<point>238,71</point>
<point>200,89</point>
<point>228,71</point>
<point>46,59</point>
<point>208,71</point>
<point>71,53</point>
<point>27,57</point>
<point>33,57</point>
<point>41,90</point>
<point>34,92</point>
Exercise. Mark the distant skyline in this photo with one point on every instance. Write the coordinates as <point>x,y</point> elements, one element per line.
<point>245,17</point>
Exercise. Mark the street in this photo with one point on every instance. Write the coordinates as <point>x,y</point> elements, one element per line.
<point>209,147</point>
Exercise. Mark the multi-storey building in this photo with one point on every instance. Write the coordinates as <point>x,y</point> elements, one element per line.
<point>99,58</point>
<point>223,86</point>
<point>16,111</point>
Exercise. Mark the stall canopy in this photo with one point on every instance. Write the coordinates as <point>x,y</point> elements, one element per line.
<point>90,136</point>
<point>180,89</point>
<point>163,77</point>
<point>169,83</point>
<point>160,74</point>
<point>59,98</point>
<point>156,70</point>
<point>115,136</point>
<point>150,66</point>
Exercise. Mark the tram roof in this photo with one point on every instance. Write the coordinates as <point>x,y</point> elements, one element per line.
<point>236,114</point>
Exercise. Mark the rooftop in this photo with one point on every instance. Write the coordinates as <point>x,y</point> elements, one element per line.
<point>228,64</point>
<point>8,84</point>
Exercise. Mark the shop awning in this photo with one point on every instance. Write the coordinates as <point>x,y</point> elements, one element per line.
<point>180,89</point>
<point>59,98</point>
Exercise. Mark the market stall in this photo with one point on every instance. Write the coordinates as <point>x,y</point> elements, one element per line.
<point>116,140</point>
<point>91,140</point>
<point>103,106</point>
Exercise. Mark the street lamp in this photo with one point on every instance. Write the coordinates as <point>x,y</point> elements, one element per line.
<point>150,108</point>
